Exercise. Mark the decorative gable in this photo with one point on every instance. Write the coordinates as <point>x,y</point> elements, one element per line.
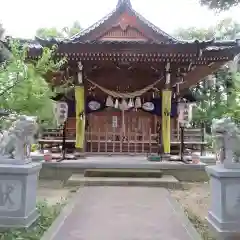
<point>120,34</point>
<point>133,26</point>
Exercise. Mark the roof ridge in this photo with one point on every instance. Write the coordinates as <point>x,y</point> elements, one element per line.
<point>154,27</point>
<point>93,26</point>
<point>128,4</point>
<point>124,2</point>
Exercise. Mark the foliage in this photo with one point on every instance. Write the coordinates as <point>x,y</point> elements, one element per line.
<point>220,4</point>
<point>200,225</point>
<point>56,33</point>
<point>224,30</point>
<point>35,232</point>
<point>218,94</point>
<point>1,31</point>
<point>23,88</point>
<point>4,53</point>
<point>49,32</point>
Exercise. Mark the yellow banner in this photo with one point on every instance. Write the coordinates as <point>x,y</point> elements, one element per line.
<point>166,121</point>
<point>80,116</point>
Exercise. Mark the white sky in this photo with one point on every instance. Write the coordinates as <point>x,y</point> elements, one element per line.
<point>23,18</point>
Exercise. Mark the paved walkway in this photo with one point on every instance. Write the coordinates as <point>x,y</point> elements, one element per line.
<point>122,213</point>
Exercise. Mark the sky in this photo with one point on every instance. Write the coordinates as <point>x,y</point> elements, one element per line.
<point>21,18</point>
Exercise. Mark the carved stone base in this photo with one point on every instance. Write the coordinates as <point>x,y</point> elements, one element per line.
<point>5,160</point>
<point>224,212</point>
<point>18,191</point>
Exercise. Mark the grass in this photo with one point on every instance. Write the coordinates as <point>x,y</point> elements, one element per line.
<point>35,232</point>
<point>200,225</point>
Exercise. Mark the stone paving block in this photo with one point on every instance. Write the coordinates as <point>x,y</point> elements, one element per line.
<point>122,213</point>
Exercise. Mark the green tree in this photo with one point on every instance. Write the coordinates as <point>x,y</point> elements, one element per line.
<point>4,52</point>
<point>1,32</point>
<point>74,29</point>
<point>218,94</point>
<point>220,4</point>
<point>226,29</point>
<point>56,33</point>
<point>23,87</point>
<point>49,33</point>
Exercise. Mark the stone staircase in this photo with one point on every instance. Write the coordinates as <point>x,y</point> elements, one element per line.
<point>123,177</point>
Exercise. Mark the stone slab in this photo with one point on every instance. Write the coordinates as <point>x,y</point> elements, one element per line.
<point>122,213</point>
<point>122,162</point>
<point>166,181</point>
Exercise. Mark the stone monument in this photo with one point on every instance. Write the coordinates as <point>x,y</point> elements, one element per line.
<point>224,212</point>
<point>18,175</point>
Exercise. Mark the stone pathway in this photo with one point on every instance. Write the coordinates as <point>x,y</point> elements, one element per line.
<point>122,213</point>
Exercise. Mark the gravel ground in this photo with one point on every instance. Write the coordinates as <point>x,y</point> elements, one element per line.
<point>53,192</point>
<point>195,197</point>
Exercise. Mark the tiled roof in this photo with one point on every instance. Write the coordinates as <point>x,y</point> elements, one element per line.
<point>77,37</point>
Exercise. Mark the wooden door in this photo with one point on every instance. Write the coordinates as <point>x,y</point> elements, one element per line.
<point>117,131</point>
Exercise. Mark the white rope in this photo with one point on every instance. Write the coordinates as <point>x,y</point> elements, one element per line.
<point>125,95</point>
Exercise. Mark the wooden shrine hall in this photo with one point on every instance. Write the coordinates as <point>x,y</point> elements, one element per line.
<point>131,81</point>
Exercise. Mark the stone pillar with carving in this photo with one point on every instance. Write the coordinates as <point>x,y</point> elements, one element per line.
<point>18,176</point>
<point>224,212</point>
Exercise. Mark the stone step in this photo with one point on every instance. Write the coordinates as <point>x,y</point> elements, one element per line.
<point>123,173</point>
<point>166,181</point>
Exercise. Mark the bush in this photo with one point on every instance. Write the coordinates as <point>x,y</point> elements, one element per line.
<point>34,147</point>
<point>35,232</point>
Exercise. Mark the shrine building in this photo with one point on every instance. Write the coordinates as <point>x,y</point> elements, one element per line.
<point>129,77</point>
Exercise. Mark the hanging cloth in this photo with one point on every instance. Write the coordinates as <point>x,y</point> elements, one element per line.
<point>166,120</point>
<point>80,116</point>
<point>125,95</point>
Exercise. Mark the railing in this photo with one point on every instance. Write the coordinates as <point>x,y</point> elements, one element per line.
<point>115,142</point>
<point>129,142</point>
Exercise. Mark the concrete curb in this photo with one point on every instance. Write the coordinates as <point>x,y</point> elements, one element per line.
<point>185,221</point>
<point>59,221</point>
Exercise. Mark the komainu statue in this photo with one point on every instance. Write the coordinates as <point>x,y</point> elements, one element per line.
<point>227,140</point>
<point>16,141</point>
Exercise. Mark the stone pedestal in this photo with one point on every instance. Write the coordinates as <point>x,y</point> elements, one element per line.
<point>209,160</point>
<point>224,213</point>
<point>18,191</point>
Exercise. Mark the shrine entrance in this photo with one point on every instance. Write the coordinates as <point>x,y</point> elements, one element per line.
<point>113,131</point>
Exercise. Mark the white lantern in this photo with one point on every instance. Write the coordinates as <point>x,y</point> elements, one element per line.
<point>62,112</point>
<point>181,110</point>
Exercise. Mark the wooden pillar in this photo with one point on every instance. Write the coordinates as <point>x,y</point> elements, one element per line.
<point>80,112</point>
<point>166,111</point>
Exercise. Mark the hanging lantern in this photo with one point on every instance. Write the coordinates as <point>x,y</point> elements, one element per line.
<point>130,103</point>
<point>116,105</point>
<point>181,110</point>
<point>123,106</point>
<point>109,101</point>
<point>138,103</point>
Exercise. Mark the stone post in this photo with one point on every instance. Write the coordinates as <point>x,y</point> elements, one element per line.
<point>224,212</point>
